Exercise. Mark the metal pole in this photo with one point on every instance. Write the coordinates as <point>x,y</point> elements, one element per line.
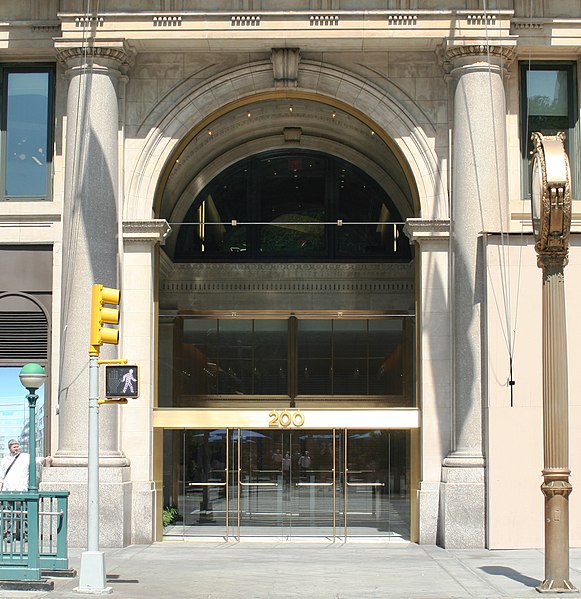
<point>93,578</point>
<point>32,478</point>
<point>556,487</point>
<point>32,502</point>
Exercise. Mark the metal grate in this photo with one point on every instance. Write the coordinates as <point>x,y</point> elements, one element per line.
<point>23,336</point>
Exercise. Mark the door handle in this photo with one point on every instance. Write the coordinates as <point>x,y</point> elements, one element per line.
<point>258,484</point>
<point>314,484</point>
<point>365,484</point>
<point>206,484</point>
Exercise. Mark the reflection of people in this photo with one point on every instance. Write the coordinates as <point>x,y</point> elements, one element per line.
<point>306,460</point>
<point>14,468</point>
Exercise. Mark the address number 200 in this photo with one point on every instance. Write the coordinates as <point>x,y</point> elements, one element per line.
<point>286,419</point>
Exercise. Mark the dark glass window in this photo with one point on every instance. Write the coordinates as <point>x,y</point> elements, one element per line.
<point>351,357</point>
<point>306,358</point>
<point>548,105</point>
<point>296,206</point>
<point>27,132</point>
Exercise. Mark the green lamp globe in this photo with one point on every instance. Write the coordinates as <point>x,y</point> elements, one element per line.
<point>32,376</point>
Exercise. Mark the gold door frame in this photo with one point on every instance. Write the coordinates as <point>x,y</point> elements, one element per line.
<point>288,419</point>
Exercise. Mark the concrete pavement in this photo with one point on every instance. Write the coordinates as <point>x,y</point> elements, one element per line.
<point>287,570</point>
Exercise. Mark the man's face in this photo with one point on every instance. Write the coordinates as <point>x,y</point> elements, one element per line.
<point>14,448</point>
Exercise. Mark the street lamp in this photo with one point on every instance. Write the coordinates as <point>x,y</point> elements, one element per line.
<point>32,376</point>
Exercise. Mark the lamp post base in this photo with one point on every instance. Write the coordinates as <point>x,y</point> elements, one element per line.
<point>557,586</point>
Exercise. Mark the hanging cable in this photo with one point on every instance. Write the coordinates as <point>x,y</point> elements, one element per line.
<point>507,330</point>
<point>77,162</point>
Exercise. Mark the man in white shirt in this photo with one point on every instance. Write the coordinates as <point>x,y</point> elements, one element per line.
<point>14,468</point>
<point>14,477</point>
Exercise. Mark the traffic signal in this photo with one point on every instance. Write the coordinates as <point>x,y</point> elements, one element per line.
<point>101,315</point>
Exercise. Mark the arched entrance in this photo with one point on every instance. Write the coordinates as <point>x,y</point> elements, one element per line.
<point>286,328</point>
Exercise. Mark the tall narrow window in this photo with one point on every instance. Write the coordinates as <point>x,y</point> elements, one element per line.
<point>27,133</point>
<point>548,105</point>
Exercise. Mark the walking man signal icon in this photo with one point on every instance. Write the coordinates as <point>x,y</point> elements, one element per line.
<point>129,379</point>
<point>121,381</point>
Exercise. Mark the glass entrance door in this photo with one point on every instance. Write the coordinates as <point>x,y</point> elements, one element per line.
<point>287,483</point>
<point>377,484</point>
<point>275,483</point>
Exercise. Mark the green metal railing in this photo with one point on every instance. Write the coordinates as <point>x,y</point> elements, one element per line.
<point>33,529</point>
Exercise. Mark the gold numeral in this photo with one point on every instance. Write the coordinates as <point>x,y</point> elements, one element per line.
<point>286,419</point>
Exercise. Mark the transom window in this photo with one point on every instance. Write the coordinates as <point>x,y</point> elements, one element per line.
<point>27,114</point>
<point>292,205</point>
<point>297,358</point>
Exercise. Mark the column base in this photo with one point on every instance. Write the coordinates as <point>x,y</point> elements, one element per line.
<point>115,502</point>
<point>428,504</point>
<point>462,521</point>
<point>557,586</point>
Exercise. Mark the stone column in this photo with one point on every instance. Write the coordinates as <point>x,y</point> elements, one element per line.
<point>91,254</point>
<point>479,203</point>
<point>138,342</point>
<point>432,239</point>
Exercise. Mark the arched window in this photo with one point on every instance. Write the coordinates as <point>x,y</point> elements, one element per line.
<point>292,205</point>
<point>24,337</point>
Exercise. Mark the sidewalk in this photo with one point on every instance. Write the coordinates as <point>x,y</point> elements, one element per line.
<point>285,570</point>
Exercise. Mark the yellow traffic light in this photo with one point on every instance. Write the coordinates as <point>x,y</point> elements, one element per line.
<point>101,315</point>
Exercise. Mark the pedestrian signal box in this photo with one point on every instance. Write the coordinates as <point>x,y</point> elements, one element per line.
<point>121,381</point>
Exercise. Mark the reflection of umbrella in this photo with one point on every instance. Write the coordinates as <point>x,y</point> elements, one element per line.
<point>219,434</point>
<point>248,435</point>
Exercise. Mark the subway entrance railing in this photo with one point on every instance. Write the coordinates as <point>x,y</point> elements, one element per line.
<point>30,546</point>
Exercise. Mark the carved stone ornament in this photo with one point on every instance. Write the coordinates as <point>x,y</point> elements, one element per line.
<point>285,65</point>
<point>551,195</point>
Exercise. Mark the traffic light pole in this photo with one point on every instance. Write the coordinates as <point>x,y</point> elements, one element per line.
<point>93,577</point>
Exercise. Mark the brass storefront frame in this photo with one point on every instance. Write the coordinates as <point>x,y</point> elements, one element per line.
<point>337,421</point>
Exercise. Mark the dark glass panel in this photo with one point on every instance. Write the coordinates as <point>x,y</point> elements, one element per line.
<point>361,200</point>
<point>314,357</point>
<point>386,357</point>
<point>223,201</point>
<point>27,135</point>
<point>235,359</point>
<point>349,357</point>
<point>271,357</point>
<point>293,201</point>
<point>198,370</point>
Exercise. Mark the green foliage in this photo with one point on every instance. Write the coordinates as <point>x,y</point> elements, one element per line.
<point>170,515</point>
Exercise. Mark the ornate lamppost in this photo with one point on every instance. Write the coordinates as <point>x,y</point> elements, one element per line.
<point>32,377</point>
<point>551,215</point>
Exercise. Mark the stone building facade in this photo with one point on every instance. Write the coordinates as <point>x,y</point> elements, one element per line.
<point>309,190</point>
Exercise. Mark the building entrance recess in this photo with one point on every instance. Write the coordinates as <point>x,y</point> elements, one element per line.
<point>328,484</point>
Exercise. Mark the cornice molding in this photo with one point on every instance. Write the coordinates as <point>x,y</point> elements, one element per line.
<point>152,231</point>
<point>421,230</point>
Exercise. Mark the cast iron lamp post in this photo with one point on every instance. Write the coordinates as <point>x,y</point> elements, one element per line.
<point>32,377</point>
<point>551,214</point>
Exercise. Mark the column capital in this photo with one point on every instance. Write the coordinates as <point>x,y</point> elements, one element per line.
<point>151,231</point>
<point>115,55</point>
<point>453,55</point>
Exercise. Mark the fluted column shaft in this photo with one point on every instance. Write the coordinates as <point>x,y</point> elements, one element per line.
<point>556,487</point>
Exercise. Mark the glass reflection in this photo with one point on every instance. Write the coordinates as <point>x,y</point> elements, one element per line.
<point>27,134</point>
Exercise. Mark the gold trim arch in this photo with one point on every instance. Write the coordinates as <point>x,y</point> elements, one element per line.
<point>390,114</point>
